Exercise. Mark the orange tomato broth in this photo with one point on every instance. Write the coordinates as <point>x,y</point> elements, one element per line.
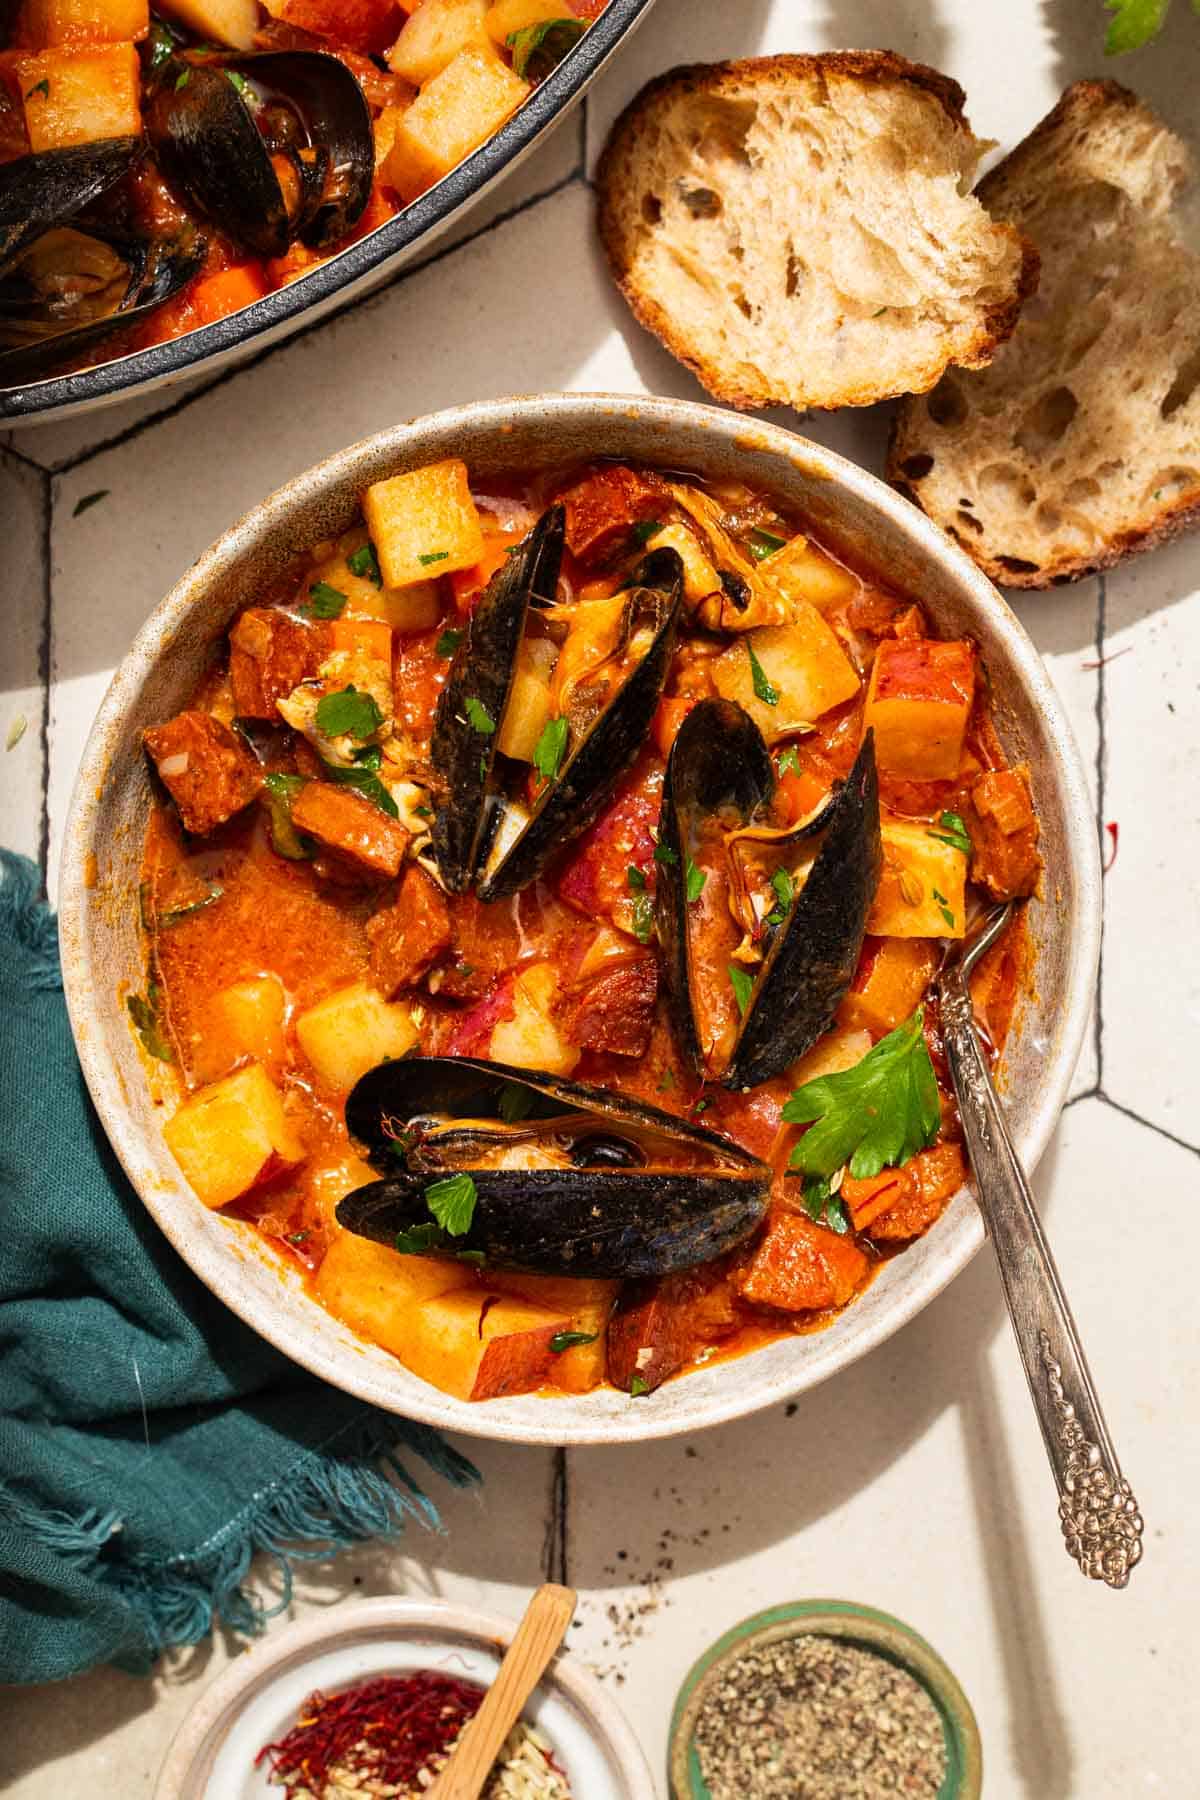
<point>308,929</point>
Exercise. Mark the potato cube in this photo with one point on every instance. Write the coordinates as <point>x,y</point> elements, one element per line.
<point>424,523</point>
<point>892,975</point>
<point>354,1030</point>
<point>802,572</point>
<point>531,1039</point>
<point>379,1293</point>
<point>51,22</point>
<point>919,702</point>
<point>832,1054</point>
<point>329,1181</point>
<point>922,887</point>
<point>231,22</point>
<point>414,608</point>
<point>528,709</point>
<point>248,1020</point>
<point>434,35</point>
<point>506,16</point>
<point>80,96</point>
<point>802,663</point>
<point>589,1302</point>
<point>232,1135</point>
<point>478,1348</point>
<point>452,115</point>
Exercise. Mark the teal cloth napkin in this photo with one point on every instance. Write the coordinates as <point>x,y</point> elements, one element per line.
<point>150,1443</point>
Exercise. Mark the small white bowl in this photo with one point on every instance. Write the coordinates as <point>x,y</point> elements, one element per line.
<point>257,1699</point>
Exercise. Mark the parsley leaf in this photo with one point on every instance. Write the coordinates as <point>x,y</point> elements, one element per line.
<point>324,601</point>
<point>42,87</point>
<point>663,853</point>
<point>347,713</point>
<point>550,748</point>
<point>452,1203</point>
<point>953,832</point>
<point>643,918</point>
<point>638,1385</point>
<point>470,1256</point>
<point>764,544</point>
<point>743,987</point>
<point>478,716</point>
<point>537,49</point>
<point>785,893</point>
<point>789,762</point>
<point>876,1115</point>
<point>762,687</point>
<point>181,80</point>
<point>367,783</point>
<point>695,878</point>
<point>448,643</point>
<point>89,500</point>
<point>943,907</point>
<point>433,556</point>
<point>514,1102</point>
<point>278,792</point>
<point>418,1239</point>
<point>145,1015</point>
<point>566,1340</point>
<point>1136,23</point>
<point>364,562</point>
<point>635,878</point>
<point>646,530</point>
<point>238,80</point>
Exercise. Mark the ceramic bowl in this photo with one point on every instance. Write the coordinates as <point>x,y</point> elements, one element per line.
<point>860,1625</point>
<point>102,951</point>
<point>350,275</point>
<point>257,1698</point>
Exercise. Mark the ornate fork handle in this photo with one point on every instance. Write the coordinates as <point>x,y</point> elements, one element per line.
<point>1100,1518</point>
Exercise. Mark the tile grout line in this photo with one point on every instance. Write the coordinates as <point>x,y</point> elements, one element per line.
<point>554,1549</point>
<point>45,662</point>
<point>20,457</point>
<point>121,438</point>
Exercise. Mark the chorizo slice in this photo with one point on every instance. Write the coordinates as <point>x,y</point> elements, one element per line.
<point>270,653</point>
<point>208,773</point>
<point>1004,834</point>
<point>604,509</point>
<point>408,936</point>
<point>352,827</point>
<point>615,1010</point>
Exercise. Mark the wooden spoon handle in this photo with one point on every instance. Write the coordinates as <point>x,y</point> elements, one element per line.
<point>536,1639</point>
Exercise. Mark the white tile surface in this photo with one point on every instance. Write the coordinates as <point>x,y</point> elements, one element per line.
<point>916,1481</point>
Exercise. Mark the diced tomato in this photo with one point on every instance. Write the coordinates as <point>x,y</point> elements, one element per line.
<point>468,584</point>
<point>216,296</point>
<point>667,720</point>
<point>751,1119</point>
<point>594,877</point>
<point>471,1033</point>
<point>798,793</point>
<point>365,25</point>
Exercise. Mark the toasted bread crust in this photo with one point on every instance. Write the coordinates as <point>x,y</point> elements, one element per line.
<point>616,176</point>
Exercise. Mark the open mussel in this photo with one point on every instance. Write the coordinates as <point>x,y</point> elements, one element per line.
<point>68,278</point>
<point>272,147</point>
<point>758,958</point>
<point>566,1179</point>
<point>608,679</point>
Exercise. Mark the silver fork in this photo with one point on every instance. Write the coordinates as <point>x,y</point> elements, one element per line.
<point>1100,1519</point>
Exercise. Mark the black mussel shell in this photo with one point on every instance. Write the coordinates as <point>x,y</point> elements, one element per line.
<point>609,1209</point>
<point>203,120</point>
<point>482,671</point>
<point>719,764</point>
<point>41,191</point>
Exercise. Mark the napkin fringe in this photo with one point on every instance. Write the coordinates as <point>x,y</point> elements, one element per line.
<point>30,923</point>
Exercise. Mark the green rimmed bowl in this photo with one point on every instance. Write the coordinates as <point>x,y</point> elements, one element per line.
<point>869,1630</point>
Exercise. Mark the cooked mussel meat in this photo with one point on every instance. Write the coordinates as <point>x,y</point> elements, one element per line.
<point>67,277</point>
<point>272,147</point>
<point>610,660</point>
<point>758,958</point>
<point>565,1179</point>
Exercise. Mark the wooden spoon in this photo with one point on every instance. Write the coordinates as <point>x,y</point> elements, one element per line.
<point>536,1639</point>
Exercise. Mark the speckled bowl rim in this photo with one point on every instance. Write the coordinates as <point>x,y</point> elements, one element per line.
<point>865,1625</point>
<point>396,1618</point>
<point>673,433</point>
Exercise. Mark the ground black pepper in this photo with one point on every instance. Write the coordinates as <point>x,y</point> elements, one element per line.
<point>818,1718</point>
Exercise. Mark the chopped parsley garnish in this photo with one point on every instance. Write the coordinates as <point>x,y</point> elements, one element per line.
<point>743,987</point>
<point>823,1206</point>
<point>789,761</point>
<point>953,832</point>
<point>433,556</point>
<point>666,1082</point>
<point>550,748</point>
<point>538,49</point>
<point>182,79</point>
<point>367,783</point>
<point>324,601</point>
<point>42,87</point>
<point>694,879</point>
<point>419,1239</point>
<point>874,1116</point>
<point>943,906</point>
<point>278,792</point>
<point>643,918</point>
<point>448,643</point>
<point>364,562</point>
<point>239,81</point>
<point>638,1385</point>
<point>348,713</point>
<point>646,530</point>
<point>762,687</point>
<point>144,1011</point>
<point>635,878</point>
<point>514,1102</point>
<point>664,854</point>
<point>423,812</point>
<point>567,1340</point>
<point>471,1256</point>
<point>785,893</point>
<point>700,1106</point>
<point>452,1203</point>
<point>175,914</point>
<point>89,500</point>
<point>478,716</point>
<point>297,1237</point>
<point>764,544</point>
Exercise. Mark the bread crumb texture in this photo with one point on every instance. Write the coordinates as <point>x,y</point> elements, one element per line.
<point>799,230</point>
<point>1081,443</point>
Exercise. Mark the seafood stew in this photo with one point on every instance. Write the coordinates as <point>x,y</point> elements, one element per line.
<point>162,170</point>
<point>542,895</point>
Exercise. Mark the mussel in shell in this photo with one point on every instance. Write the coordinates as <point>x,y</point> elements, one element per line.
<point>568,1179</point>
<point>487,833</point>
<point>67,279</point>
<point>272,147</point>
<point>757,961</point>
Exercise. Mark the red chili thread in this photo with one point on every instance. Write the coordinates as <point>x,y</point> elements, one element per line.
<point>390,1728</point>
<point>1113,830</point>
<point>1099,662</point>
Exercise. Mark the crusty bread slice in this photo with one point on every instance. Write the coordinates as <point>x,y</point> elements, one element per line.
<point>1081,443</point>
<point>797,230</point>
